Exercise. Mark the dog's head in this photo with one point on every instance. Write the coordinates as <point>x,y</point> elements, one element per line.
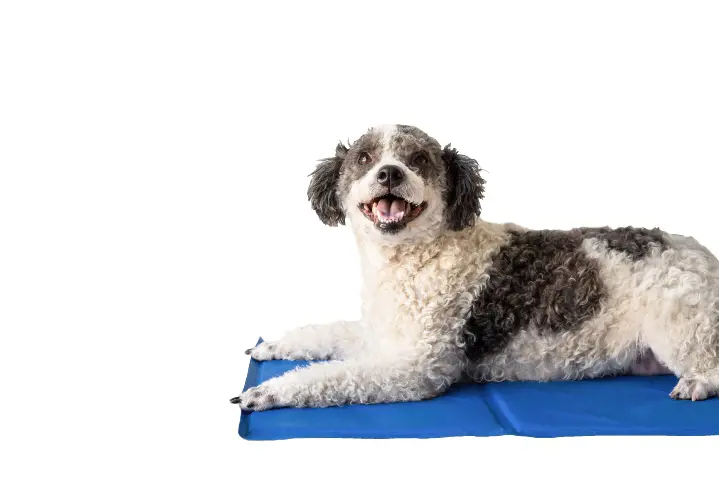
<point>396,184</point>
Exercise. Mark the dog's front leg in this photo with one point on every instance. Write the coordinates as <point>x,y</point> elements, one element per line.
<point>313,342</point>
<point>339,383</point>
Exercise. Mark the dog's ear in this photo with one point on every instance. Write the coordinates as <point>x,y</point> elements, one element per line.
<point>465,188</point>
<point>322,192</point>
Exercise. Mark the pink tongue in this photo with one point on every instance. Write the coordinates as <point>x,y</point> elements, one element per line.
<point>383,206</point>
<point>396,207</point>
<point>391,209</point>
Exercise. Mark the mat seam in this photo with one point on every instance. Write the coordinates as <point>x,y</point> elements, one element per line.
<point>496,412</point>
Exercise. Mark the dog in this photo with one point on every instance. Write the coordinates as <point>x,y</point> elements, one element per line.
<point>448,297</point>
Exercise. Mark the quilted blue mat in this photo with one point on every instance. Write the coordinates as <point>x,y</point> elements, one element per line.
<point>610,406</point>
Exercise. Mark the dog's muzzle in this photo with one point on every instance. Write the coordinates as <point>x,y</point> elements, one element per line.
<point>391,213</point>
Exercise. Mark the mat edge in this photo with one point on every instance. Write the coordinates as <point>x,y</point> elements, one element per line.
<point>250,381</point>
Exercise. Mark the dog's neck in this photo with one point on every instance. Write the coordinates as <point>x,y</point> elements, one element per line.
<point>414,256</point>
<point>405,254</point>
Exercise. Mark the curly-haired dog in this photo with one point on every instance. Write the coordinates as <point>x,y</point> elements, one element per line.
<point>449,297</point>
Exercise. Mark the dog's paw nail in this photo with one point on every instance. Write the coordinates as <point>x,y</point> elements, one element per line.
<point>235,400</point>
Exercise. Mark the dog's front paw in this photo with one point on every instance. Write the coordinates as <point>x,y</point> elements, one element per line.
<point>264,351</point>
<point>256,399</point>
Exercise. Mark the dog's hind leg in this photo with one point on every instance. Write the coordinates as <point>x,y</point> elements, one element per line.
<point>313,342</point>
<point>696,387</point>
<point>692,354</point>
<point>697,360</point>
<point>683,329</point>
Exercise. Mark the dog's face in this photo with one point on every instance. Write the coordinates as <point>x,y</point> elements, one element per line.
<point>396,184</point>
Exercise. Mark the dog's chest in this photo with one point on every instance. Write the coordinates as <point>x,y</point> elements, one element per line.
<point>404,297</point>
<point>427,292</point>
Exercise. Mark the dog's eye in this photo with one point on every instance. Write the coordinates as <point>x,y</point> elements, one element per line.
<point>364,158</point>
<point>419,158</point>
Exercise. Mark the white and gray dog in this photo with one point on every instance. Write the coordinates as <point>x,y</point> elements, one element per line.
<point>449,297</point>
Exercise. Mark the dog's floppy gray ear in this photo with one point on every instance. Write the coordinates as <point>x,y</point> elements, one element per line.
<point>465,188</point>
<point>322,192</point>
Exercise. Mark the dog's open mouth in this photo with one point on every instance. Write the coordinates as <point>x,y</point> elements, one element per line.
<point>391,213</point>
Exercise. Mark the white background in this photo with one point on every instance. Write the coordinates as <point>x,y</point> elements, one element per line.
<point>154,221</point>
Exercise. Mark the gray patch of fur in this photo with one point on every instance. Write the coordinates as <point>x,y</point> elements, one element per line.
<point>544,279</point>
<point>635,242</point>
<point>539,279</point>
<point>421,153</point>
<point>369,143</point>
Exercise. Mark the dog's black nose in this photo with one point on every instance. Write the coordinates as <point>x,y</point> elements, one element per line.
<point>390,176</point>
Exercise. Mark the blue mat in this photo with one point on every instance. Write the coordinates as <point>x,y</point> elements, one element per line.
<point>610,406</point>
